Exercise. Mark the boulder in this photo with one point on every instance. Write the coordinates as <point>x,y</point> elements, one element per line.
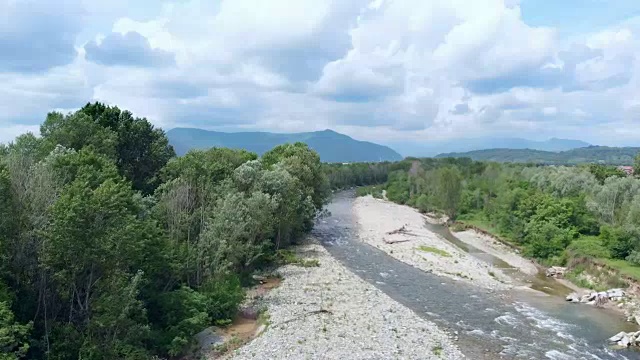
<point>615,294</point>
<point>625,341</point>
<point>617,337</point>
<point>573,297</point>
<point>208,338</point>
<point>248,312</point>
<point>556,271</point>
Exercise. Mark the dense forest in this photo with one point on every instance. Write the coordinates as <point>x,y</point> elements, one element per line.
<point>113,248</point>
<point>591,154</point>
<point>558,215</point>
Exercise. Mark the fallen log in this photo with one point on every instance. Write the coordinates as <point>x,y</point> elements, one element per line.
<point>403,230</point>
<point>388,241</point>
<point>302,316</point>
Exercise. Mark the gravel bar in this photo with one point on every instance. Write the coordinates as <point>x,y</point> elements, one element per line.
<point>327,312</point>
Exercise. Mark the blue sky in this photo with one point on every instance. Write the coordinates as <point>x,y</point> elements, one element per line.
<point>390,71</point>
<point>578,16</point>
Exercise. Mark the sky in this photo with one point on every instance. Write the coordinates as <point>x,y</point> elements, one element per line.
<point>403,71</point>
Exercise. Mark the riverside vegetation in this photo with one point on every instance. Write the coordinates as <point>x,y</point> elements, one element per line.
<point>113,248</point>
<point>585,217</point>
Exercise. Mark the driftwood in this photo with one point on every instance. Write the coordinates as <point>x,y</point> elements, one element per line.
<point>321,311</point>
<point>401,231</point>
<point>396,241</point>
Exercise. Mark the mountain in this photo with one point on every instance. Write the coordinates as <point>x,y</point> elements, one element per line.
<point>332,146</point>
<point>463,145</point>
<point>590,154</point>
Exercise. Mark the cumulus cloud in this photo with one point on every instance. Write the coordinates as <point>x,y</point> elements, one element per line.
<point>381,70</point>
<point>130,49</point>
<point>38,35</point>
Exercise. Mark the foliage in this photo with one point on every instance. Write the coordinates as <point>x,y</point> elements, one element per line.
<point>342,176</point>
<point>553,213</point>
<point>590,154</point>
<point>112,248</point>
<point>13,336</point>
<point>373,190</point>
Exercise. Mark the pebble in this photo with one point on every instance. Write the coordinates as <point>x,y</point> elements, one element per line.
<point>364,323</point>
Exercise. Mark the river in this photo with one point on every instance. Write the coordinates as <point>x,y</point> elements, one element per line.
<point>489,325</point>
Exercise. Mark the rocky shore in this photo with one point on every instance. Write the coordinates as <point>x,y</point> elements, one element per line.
<point>327,312</point>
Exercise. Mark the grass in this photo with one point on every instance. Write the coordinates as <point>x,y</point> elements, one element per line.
<point>457,227</point>
<point>437,350</point>
<point>285,257</point>
<point>431,249</point>
<point>623,267</point>
<point>601,274</point>
<point>373,190</point>
<point>263,317</point>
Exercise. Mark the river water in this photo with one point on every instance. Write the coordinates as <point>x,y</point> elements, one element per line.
<point>516,325</point>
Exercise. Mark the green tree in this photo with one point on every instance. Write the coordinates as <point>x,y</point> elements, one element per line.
<point>77,131</point>
<point>141,149</point>
<point>95,245</point>
<point>448,190</point>
<point>13,336</point>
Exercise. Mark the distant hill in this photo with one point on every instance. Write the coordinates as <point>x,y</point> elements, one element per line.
<point>591,154</point>
<point>433,148</point>
<point>332,146</point>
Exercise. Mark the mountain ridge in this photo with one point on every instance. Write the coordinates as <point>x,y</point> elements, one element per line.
<point>482,143</point>
<point>330,145</point>
<point>590,154</point>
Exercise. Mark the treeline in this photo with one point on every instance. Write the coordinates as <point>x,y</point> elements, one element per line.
<point>343,176</point>
<point>113,248</point>
<point>585,155</point>
<point>553,213</point>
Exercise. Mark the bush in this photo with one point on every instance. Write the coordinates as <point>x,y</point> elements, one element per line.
<point>547,240</point>
<point>423,204</point>
<point>619,241</point>
<point>634,258</point>
<point>223,297</point>
<point>589,246</point>
<point>184,314</point>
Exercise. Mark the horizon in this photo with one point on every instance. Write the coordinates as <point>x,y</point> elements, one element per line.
<point>389,72</point>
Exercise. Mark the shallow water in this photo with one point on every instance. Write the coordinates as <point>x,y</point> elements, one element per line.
<point>517,325</point>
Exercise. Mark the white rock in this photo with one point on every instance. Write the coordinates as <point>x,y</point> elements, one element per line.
<point>615,293</point>
<point>573,297</point>
<point>617,337</point>
<point>625,341</point>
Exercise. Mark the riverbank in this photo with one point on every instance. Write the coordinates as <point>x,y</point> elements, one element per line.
<point>327,312</point>
<point>400,232</point>
<point>491,246</point>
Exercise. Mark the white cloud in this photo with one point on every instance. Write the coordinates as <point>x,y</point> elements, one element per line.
<point>380,70</point>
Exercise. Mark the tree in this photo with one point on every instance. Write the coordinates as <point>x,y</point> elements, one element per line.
<point>141,149</point>
<point>304,164</point>
<point>636,164</point>
<point>77,131</point>
<point>95,245</point>
<point>13,336</point>
<point>448,190</point>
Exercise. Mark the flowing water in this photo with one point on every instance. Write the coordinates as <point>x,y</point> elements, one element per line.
<point>517,325</point>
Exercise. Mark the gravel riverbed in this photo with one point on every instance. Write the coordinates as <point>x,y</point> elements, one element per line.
<point>327,312</point>
<point>420,247</point>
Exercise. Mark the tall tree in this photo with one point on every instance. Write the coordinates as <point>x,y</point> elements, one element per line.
<point>449,189</point>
